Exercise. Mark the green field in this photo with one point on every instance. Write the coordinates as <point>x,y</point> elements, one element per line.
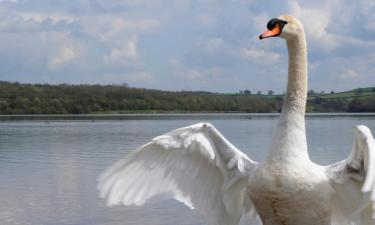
<point>351,94</point>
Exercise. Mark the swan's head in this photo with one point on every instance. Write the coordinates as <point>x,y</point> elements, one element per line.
<point>285,26</point>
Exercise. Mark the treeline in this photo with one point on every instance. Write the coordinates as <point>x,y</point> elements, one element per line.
<point>16,98</point>
<point>354,105</point>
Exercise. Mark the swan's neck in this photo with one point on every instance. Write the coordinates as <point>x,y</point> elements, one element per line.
<point>295,99</point>
<point>290,138</point>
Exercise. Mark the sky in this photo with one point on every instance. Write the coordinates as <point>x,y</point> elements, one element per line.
<point>208,45</point>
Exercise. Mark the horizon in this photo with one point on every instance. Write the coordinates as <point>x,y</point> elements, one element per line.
<point>252,92</point>
<point>189,45</point>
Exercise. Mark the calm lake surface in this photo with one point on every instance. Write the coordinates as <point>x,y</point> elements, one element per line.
<point>49,166</point>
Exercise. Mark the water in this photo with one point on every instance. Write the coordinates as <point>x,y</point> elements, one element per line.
<point>48,168</point>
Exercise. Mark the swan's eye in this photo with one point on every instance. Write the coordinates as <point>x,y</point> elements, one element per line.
<point>275,21</point>
<point>271,24</point>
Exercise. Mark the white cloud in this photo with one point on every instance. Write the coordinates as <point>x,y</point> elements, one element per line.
<point>205,40</point>
<point>42,16</point>
<point>181,71</point>
<point>113,28</point>
<point>349,75</point>
<point>64,56</point>
<point>259,55</point>
<point>316,21</point>
<point>193,74</point>
<point>126,55</point>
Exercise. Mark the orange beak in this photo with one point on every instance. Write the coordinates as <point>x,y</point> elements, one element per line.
<point>271,33</point>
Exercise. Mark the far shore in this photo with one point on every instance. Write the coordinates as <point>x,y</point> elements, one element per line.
<point>172,115</point>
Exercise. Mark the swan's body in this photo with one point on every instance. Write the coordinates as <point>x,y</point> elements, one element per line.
<point>293,193</point>
<point>199,167</point>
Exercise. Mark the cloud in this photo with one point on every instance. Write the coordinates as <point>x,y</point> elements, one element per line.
<point>196,76</point>
<point>185,73</point>
<point>213,44</point>
<point>259,55</point>
<point>349,75</point>
<point>316,22</point>
<point>64,56</point>
<point>127,54</point>
<point>112,28</point>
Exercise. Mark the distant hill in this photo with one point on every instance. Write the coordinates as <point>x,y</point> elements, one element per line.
<point>16,98</point>
<point>351,94</point>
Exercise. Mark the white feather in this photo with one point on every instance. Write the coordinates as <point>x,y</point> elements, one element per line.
<point>354,194</point>
<point>195,165</point>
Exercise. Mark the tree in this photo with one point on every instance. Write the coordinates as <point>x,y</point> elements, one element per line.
<point>4,106</point>
<point>317,100</point>
<point>311,92</point>
<point>358,91</point>
<point>16,98</point>
<point>270,92</point>
<point>355,105</point>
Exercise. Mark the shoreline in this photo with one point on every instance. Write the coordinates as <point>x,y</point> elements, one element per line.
<point>140,116</point>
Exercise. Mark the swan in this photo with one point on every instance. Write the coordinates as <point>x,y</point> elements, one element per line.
<point>199,167</point>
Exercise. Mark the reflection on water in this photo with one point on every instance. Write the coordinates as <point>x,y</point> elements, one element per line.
<point>48,169</point>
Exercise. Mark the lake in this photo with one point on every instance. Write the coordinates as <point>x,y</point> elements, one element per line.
<point>49,165</point>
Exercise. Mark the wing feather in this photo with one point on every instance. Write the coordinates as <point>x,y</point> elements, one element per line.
<point>353,182</point>
<point>195,165</point>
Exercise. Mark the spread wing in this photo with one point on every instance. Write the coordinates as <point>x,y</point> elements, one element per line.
<point>353,182</point>
<point>195,165</point>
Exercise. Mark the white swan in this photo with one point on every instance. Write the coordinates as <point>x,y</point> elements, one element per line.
<point>199,167</point>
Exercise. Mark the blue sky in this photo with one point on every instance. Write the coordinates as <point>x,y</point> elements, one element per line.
<point>206,45</point>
